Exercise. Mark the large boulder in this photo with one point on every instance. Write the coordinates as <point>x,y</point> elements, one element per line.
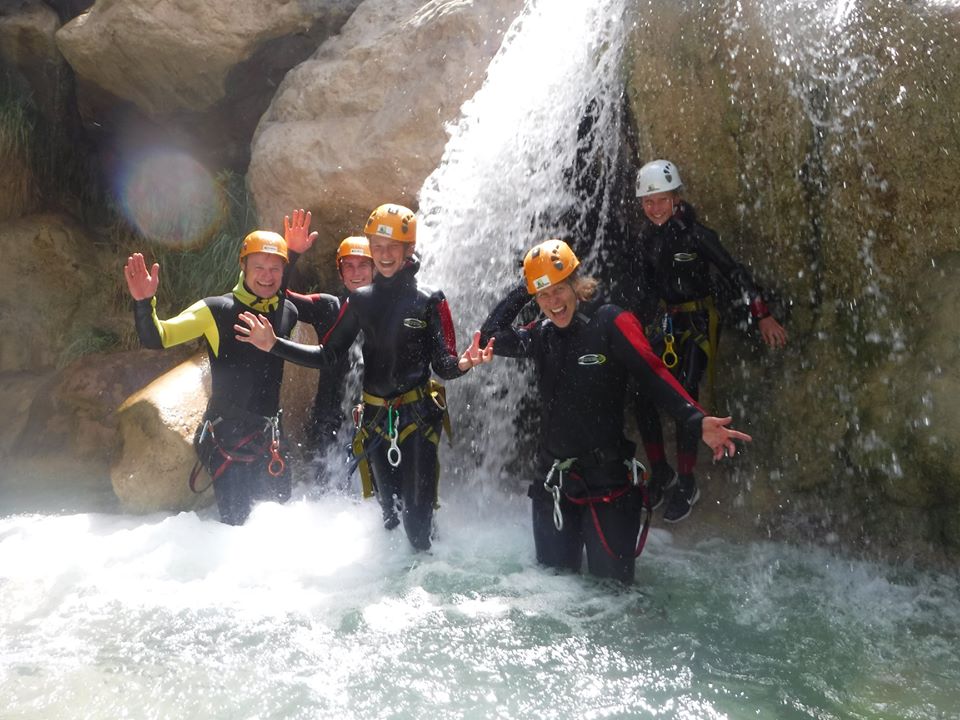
<point>362,121</point>
<point>157,425</point>
<point>200,73</point>
<point>155,454</point>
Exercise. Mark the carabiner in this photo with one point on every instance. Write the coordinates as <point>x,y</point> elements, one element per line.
<point>393,452</point>
<point>276,465</point>
<point>554,490</point>
<point>557,513</point>
<point>669,357</point>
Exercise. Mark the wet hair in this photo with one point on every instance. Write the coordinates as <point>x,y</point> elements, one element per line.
<point>584,287</point>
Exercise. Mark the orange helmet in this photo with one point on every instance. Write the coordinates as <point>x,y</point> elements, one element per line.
<point>266,242</point>
<point>394,222</point>
<point>547,264</point>
<point>355,245</point>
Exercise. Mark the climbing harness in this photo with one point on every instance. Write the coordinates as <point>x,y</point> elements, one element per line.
<point>636,473</point>
<point>706,343</point>
<point>385,426</point>
<point>271,430</point>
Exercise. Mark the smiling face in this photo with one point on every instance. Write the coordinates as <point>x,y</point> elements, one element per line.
<point>559,303</point>
<point>659,207</point>
<point>389,255</point>
<point>263,273</point>
<point>356,272</point>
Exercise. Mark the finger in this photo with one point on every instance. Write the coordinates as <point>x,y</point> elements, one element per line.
<point>154,271</point>
<point>286,223</point>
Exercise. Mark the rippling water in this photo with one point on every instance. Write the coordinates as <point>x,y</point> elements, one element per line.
<point>312,610</point>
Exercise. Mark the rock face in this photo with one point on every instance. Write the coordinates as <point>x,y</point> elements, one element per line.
<point>32,74</point>
<point>47,280</point>
<point>362,121</point>
<point>206,69</point>
<point>822,152</point>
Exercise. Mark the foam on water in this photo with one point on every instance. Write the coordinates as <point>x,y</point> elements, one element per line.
<point>313,610</point>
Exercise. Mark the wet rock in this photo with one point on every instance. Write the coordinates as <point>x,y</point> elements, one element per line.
<point>362,121</point>
<point>820,147</point>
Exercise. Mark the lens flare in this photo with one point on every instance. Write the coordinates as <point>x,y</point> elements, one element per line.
<point>170,198</point>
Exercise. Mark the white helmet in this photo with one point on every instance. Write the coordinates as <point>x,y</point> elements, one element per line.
<point>657,176</point>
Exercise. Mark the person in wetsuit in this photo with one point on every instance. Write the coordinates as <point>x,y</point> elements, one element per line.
<point>585,352</point>
<point>673,256</point>
<point>407,330</point>
<point>239,438</point>
<point>326,419</point>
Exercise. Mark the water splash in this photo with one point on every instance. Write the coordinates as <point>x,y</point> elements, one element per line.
<point>522,165</point>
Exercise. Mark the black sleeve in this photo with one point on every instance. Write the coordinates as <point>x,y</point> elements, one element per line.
<point>318,309</point>
<point>339,340</point>
<point>508,340</point>
<point>732,271</point>
<point>146,328</point>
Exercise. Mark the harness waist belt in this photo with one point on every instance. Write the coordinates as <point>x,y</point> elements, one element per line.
<point>689,306</point>
<point>410,396</point>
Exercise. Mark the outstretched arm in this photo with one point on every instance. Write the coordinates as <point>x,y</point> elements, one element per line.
<point>257,331</point>
<point>473,355</point>
<point>716,434</point>
<point>772,332</point>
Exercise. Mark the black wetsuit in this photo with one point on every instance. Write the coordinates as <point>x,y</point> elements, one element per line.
<point>323,429</point>
<point>406,331</point>
<point>582,373</point>
<point>245,398</point>
<point>671,264</point>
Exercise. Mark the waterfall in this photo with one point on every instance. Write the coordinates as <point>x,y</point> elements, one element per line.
<point>527,160</point>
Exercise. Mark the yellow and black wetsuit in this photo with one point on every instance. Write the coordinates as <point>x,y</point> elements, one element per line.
<point>245,399</point>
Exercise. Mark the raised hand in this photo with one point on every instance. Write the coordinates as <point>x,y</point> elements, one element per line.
<point>141,284</point>
<point>720,438</point>
<point>473,355</point>
<point>296,231</point>
<point>256,330</point>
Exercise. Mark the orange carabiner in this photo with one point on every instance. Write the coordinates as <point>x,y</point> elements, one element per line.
<point>277,465</point>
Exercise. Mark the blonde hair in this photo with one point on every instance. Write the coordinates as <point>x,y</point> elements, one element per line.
<point>584,287</point>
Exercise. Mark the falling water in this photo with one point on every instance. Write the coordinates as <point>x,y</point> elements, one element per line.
<point>312,610</point>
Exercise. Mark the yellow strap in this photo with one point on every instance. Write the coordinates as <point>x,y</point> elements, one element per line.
<point>366,478</point>
<point>408,397</point>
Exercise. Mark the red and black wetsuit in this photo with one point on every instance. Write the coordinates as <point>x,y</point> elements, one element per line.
<point>673,261</point>
<point>582,373</point>
<point>245,397</point>
<point>407,330</point>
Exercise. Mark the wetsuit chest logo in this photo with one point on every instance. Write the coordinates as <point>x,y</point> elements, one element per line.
<point>685,257</point>
<point>591,359</point>
<point>414,323</point>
